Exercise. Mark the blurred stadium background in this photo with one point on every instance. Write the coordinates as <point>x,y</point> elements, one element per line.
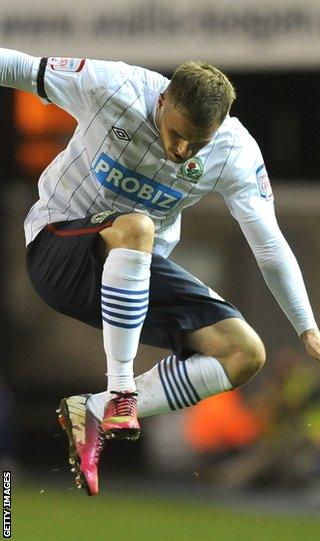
<point>254,472</point>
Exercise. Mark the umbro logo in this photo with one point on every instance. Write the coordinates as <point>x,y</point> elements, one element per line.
<point>120,133</point>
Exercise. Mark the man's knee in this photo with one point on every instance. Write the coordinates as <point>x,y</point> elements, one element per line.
<point>248,359</point>
<point>134,231</point>
<point>235,344</point>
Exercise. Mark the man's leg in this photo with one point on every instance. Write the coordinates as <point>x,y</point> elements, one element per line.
<point>62,265</point>
<point>178,303</point>
<point>124,304</point>
<point>228,354</point>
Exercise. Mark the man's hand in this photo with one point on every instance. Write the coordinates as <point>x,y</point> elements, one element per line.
<point>311,339</point>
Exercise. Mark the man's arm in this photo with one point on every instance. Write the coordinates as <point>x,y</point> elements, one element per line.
<point>18,70</point>
<point>283,276</point>
<point>248,194</point>
<point>67,83</point>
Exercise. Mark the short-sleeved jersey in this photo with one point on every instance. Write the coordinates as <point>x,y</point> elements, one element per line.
<point>115,160</point>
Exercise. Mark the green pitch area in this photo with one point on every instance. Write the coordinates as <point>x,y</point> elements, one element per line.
<point>60,515</point>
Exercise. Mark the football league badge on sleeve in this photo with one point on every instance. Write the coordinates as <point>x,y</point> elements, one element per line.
<point>66,64</point>
<point>263,181</point>
<point>191,170</point>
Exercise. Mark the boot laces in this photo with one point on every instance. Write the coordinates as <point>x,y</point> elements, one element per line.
<point>124,403</point>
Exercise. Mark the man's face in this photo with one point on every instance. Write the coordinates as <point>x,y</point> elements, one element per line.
<point>181,139</point>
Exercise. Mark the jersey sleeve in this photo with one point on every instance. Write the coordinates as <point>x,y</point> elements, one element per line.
<point>70,83</point>
<point>18,70</point>
<point>76,84</point>
<point>248,194</point>
<point>67,82</point>
<point>245,185</point>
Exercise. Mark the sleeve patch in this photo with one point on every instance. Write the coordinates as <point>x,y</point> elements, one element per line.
<point>263,181</point>
<point>66,64</point>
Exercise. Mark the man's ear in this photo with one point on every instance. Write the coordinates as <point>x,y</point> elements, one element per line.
<point>161,100</point>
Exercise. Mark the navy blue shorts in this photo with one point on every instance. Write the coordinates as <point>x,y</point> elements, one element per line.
<point>65,270</point>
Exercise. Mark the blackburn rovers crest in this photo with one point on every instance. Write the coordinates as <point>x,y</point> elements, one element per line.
<point>191,170</point>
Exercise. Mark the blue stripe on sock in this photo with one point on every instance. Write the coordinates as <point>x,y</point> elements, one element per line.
<point>123,299</point>
<point>124,316</point>
<point>182,396</point>
<point>122,325</point>
<point>178,362</point>
<point>170,384</point>
<point>124,308</point>
<point>171,406</point>
<point>189,382</point>
<point>125,291</point>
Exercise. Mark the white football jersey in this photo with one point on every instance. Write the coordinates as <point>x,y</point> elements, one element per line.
<point>115,160</point>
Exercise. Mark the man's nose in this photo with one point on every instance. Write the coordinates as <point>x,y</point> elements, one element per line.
<point>184,149</point>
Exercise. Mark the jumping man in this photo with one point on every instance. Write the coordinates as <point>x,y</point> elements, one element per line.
<point>108,216</point>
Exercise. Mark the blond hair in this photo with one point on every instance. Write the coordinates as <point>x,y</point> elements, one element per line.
<point>201,92</point>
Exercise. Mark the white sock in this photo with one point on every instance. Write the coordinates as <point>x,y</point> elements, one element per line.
<point>124,303</point>
<point>171,385</point>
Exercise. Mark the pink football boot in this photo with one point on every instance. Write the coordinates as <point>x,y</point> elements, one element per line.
<point>120,416</point>
<point>86,441</point>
